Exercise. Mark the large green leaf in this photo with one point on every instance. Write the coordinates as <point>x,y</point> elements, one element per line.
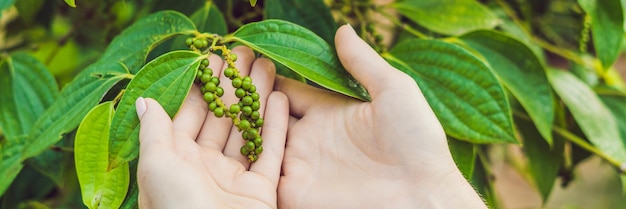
<point>617,105</point>
<point>10,165</point>
<point>167,79</point>
<point>75,100</point>
<point>518,69</point>
<point>463,92</point>
<point>132,46</point>
<point>464,155</point>
<point>71,3</point>
<point>27,89</point>
<point>302,51</point>
<point>607,27</point>
<point>209,19</point>
<point>452,17</point>
<point>311,14</point>
<point>100,189</point>
<point>544,159</point>
<point>593,117</point>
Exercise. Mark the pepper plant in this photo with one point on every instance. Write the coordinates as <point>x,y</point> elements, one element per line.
<point>537,74</point>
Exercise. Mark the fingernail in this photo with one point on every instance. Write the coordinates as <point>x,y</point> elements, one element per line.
<point>140,103</point>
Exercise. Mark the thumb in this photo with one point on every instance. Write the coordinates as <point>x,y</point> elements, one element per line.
<point>156,129</point>
<point>362,62</point>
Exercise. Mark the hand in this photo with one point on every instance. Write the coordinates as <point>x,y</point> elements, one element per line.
<point>193,161</point>
<point>391,152</point>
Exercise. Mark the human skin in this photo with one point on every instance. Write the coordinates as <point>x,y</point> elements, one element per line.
<point>193,161</point>
<point>388,153</point>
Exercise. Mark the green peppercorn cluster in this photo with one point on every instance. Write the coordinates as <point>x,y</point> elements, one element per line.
<point>245,114</point>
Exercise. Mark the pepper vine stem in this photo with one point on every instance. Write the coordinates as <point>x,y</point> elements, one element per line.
<point>398,23</point>
<point>582,143</point>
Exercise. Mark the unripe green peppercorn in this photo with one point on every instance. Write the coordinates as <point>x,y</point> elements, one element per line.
<point>205,78</point>
<point>229,72</point>
<point>255,115</point>
<point>215,80</point>
<point>258,150</point>
<point>250,145</point>
<point>208,71</point>
<point>253,158</point>
<point>233,57</point>
<point>212,105</point>
<point>219,112</point>
<point>252,89</point>
<point>244,150</point>
<point>219,91</point>
<point>209,97</point>
<point>244,125</point>
<point>255,96</point>
<point>237,82</point>
<point>210,87</point>
<point>246,85</point>
<point>205,43</point>
<point>197,43</point>
<point>247,100</point>
<point>256,105</point>
<point>189,41</point>
<point>247,78</point>
<point>205,62</point>
<point>240,93</point>
<point>246,110</point>
<point>259,122</point>
<point>234,108</point>
<point>258,141</point>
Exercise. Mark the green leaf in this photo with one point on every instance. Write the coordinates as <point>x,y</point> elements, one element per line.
<point>311,14</point>
<point>544,159</point>
<point>75,100</point>
<point>10,165</point>
<point>27,89</point>
<point>463,92</point>
<point>302,51</point>
<point>100,189</point>
<point>71,3</point>
<point>132,199</point>
<point>607,28</point>
<point>132,46</point>
<point>253,3</point>
<point>166,79</point>
<point>518,68</point>
<point>593,117</point>
<point>617,106</point>
<point>453,17</point>
<point>464,155</point>
<point>209,19</point>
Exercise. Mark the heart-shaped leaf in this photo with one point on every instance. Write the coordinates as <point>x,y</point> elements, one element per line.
<point>302,51</point>
<point>166,79</point>
<point>463,92</point>
<point>100,188</point>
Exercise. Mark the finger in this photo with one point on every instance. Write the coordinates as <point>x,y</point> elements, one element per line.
<point>274,137</point>
<point>156,129</point>
<point>262,74</point>
<point>364,63</point>
<point>191,115</point>
<point>302,97</point>
<point>215,131</point>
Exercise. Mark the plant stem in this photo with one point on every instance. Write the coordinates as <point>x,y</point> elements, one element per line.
<point>398,23</point>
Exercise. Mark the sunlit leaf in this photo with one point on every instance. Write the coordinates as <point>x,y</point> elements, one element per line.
<point>166,79</point>
<point>302,51</point>
<point>464,155</point>
<point>593,117</point>
<point>71,3</point>
<point>99,188</point>
<point>452,17</point>
<point>518,68</point>
<point>463,92</point>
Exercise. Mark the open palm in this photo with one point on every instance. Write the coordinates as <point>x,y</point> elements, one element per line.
<point>344,153</point>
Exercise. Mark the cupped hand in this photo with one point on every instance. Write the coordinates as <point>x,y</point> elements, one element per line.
<point>193,161</point>
<point>388,153</point>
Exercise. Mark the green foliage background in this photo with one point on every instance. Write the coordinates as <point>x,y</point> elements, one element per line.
<point>540,75</point>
